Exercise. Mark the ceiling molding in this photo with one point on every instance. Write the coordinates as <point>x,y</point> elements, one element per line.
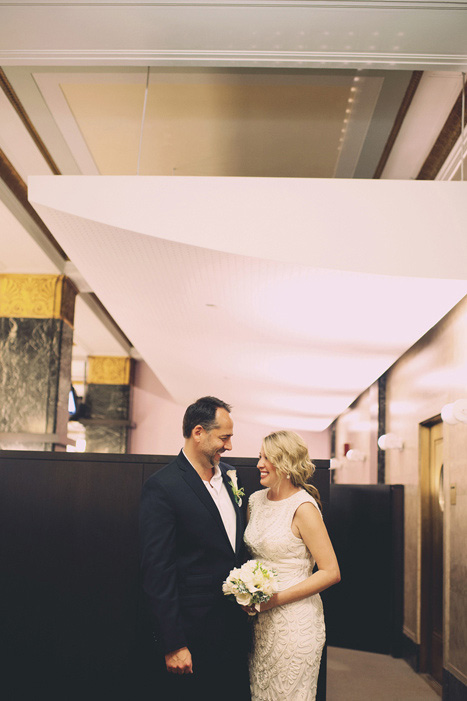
<point>406,102</point>
<point>7,88</point>
<point>312,4</point>
<point>221,58</point>
<point>445,142</point>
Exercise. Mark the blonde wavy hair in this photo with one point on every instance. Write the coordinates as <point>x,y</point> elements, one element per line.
<point>288,452</point>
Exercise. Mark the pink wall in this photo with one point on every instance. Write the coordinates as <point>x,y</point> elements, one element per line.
<point>158,422</point>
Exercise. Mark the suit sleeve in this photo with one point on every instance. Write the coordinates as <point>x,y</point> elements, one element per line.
<point>159,565</point>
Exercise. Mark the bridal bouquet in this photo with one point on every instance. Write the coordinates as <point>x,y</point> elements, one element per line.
<point>251,584</point>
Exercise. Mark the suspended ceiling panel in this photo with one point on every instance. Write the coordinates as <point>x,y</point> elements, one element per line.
<point>212,122</point>
<point>259,317</point>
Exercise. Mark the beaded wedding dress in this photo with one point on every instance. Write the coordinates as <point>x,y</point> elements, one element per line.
<point>288,640</point>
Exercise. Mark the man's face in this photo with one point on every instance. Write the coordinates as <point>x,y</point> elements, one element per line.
<point>214,442</point>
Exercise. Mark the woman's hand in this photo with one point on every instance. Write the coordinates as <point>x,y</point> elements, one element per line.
<point>250,610</point>
<point>265,606</point>
<point>269,604</point>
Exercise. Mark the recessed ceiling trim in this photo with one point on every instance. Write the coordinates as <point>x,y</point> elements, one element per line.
<point>362,103</point>
<point>21,112</point>
<point>52,93</point>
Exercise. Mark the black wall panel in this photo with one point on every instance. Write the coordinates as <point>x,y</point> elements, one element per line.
<point>72,619</point>
<point>364,611</point>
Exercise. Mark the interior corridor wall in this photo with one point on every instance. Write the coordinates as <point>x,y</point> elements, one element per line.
<point>431,374</point>
<point>158,421</point>
<point>357,429</point>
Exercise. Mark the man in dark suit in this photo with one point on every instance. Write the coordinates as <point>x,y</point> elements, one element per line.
<point>192,521</point>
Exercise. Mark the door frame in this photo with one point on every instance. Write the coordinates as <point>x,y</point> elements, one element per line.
<point>426,554</point>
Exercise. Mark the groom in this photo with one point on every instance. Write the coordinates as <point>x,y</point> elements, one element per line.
<point>192,521</point>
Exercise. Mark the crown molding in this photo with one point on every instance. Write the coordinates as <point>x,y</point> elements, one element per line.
<point>313,4</point>
<point>276,59</point>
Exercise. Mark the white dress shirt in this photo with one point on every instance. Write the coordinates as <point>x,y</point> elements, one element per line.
<point>222,500</point>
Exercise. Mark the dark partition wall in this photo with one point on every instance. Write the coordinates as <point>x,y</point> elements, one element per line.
<point>366,525</point>
<point>72,618</point>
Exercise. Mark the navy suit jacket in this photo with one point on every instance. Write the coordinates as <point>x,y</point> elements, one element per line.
<point>186,555</point>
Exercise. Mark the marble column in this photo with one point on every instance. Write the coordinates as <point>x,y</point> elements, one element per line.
<point>36,338</point>
<point>107,404</point>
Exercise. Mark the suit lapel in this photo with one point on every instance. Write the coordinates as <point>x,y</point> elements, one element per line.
<point>238,510</point>
<point>192,478</point>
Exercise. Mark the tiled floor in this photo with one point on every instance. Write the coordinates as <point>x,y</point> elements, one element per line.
<point>366,676</point>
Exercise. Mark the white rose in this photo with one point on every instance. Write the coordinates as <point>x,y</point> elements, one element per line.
<point>243,599</point>
<point>228,587</point>
<point>249,581</point>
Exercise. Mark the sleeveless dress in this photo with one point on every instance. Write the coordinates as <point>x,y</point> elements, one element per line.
<point>288,640</point>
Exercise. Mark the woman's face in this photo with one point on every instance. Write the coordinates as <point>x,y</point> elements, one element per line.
<point>267,471</point>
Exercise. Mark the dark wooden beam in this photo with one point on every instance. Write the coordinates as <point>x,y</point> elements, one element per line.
<point>406,102</point>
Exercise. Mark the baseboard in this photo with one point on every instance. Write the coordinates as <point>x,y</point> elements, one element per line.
<point>410,652</point>
<point>453,688</point>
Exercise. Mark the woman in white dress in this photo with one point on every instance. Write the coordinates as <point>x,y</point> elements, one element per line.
<point>286,532</point>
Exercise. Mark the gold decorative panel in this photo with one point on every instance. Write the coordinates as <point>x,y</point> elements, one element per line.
<point>37,297</point>
<point>108,370</point>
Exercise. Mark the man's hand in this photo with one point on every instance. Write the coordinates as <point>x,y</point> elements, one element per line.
<point>179,661</point>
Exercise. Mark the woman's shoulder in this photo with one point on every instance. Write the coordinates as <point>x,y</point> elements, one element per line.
<point>303,497</point>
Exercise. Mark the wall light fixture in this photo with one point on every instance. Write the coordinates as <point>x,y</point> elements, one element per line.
<point>355,455</point>
<point>335,464</point>
<point>389,441</point>
<point>455,413</point>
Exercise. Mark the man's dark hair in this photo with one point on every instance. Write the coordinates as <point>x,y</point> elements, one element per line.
<point>203,413</point>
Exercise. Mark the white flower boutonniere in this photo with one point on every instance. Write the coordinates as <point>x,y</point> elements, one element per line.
<point>238,493</point>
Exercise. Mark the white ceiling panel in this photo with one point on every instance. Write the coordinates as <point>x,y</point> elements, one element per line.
<point>291,344</point>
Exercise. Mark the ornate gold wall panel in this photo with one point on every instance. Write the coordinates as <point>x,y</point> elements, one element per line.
<point>108,370</point>
<point>37,297</point>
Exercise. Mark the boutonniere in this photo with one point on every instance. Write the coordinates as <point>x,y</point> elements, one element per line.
<point>238,493</point>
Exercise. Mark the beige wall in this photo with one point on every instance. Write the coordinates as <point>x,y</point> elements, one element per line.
<point>357,427</point>
<point>431,374</point>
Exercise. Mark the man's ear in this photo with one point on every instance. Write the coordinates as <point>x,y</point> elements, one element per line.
<point>197,432</point>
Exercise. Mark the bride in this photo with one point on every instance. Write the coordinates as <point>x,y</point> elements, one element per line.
<point>286,532</point>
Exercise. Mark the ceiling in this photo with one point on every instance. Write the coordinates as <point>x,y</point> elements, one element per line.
<point>261,90</point>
